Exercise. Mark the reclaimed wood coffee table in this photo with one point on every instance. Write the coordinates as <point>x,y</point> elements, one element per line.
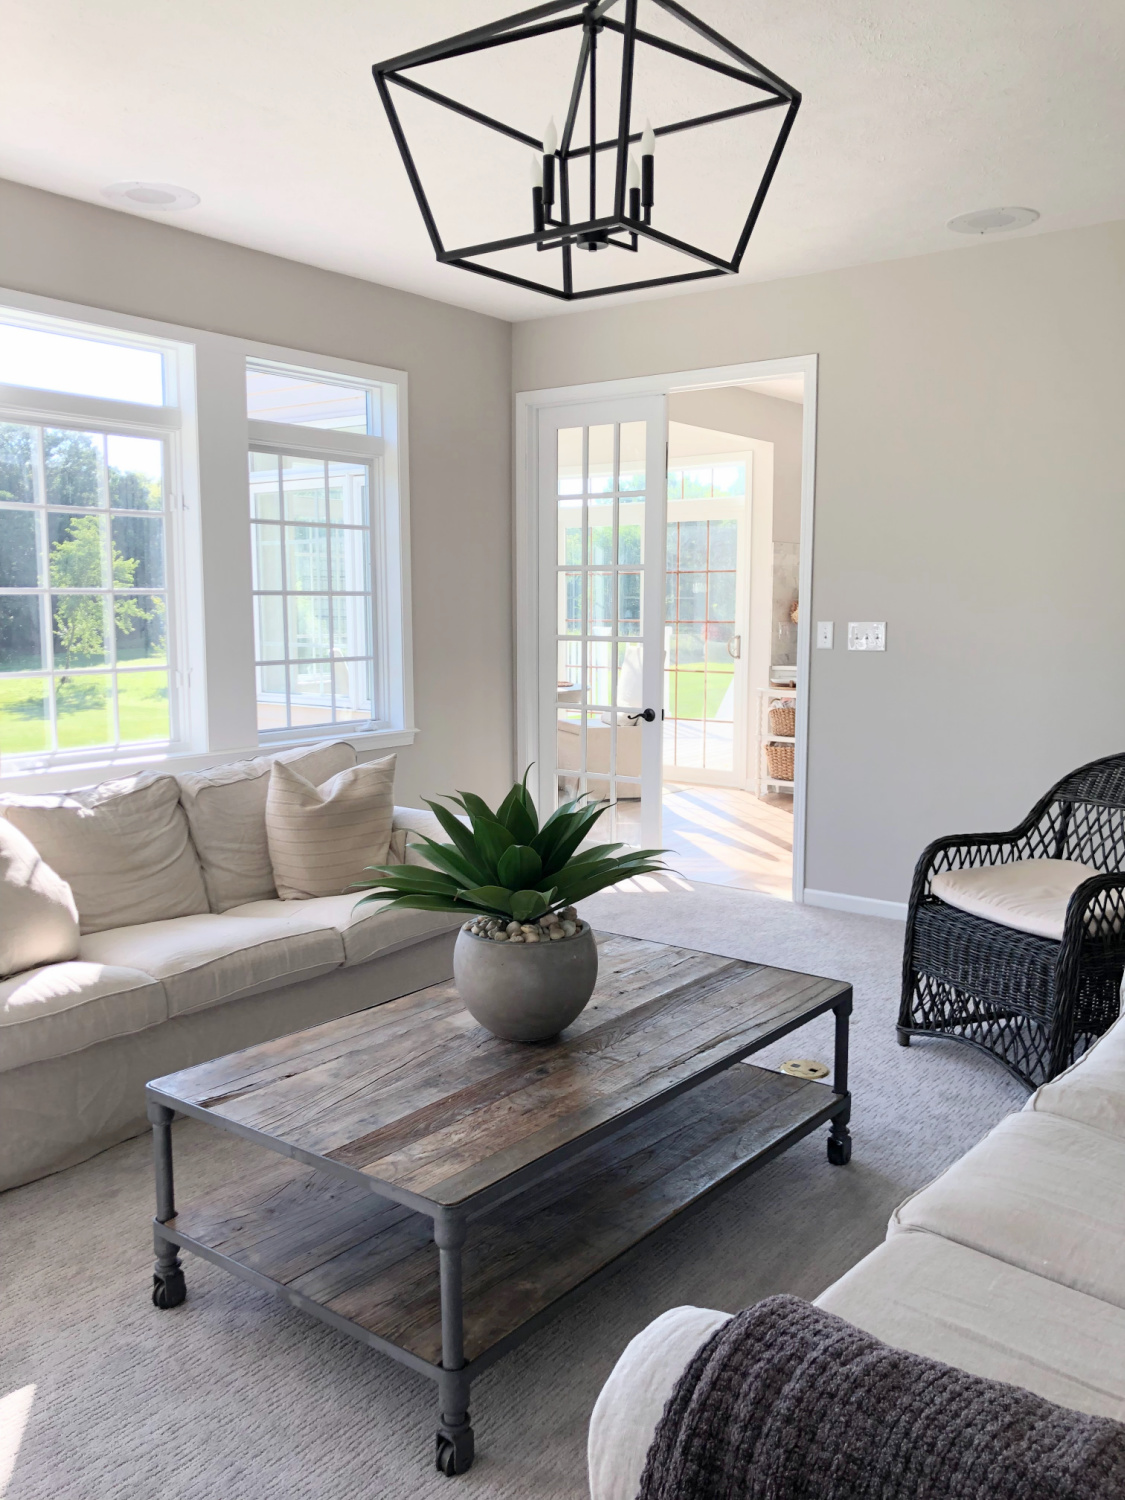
<point>532,1169</point>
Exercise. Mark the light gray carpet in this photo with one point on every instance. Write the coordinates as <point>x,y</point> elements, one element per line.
<point>236,1397</point>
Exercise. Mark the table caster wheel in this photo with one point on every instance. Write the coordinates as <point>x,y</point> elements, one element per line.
<point>839,1150</point>
<point>168,1291</point>
<point>455,1454</point>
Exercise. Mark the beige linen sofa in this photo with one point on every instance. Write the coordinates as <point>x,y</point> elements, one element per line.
<point>149,993</point>
<point>1010,1265</point>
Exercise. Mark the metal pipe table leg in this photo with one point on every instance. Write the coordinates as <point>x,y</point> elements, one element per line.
<point>168,1286</point>
<point>455,1442</point>
<point>839,1137</point>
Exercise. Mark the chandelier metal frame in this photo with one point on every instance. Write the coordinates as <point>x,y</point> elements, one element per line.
<point>630,220</point>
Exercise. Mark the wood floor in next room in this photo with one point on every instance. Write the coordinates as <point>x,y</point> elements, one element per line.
<point>726,836</point>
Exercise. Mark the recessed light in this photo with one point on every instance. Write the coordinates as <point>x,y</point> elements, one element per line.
<point>992,220</point>
<point>164,197</point>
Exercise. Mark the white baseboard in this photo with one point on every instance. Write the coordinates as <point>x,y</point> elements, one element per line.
<point>864,906</point>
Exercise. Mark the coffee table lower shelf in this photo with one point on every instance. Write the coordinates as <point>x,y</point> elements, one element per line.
<point>369,1267</point>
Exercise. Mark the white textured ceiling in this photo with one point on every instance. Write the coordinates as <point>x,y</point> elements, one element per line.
<point>912,113</point>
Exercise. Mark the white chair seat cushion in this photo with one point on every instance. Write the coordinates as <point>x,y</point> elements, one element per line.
<point>366,930</point>
<point>934,1297</point>
<point>1092,1090</point>
<point>632,1400</point>
<point>205,960</point>
<point>1029,894</point>
<point>61,1008</point>
<point>1041,1192</point>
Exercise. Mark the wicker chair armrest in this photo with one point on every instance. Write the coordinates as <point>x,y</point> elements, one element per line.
<point>1096,911</point>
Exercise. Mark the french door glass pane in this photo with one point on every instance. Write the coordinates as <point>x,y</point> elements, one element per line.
<point>600,554</point>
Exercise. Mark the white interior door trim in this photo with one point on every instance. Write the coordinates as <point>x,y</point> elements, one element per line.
<point>526,542</point>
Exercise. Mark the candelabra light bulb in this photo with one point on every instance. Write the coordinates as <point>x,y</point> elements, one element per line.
<point>648,140</point>
<point>634,173</point>
<point>536,170</point>
<point>550,138</point>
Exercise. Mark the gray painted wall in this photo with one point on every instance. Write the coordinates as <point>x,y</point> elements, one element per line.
<point>459,368</point>
<point>970,492</point>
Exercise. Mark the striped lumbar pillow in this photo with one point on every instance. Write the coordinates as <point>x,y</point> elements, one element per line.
<point>321,838</point>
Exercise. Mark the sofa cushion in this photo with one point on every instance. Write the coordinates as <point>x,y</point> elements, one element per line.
<point>367,930</point>
<point>321,838</point>
<point>38,918</point>
<point>934,1297</point>
<point>205,960</point>
<point>1030,894</point>
<point>409,823</point>
<point>1092,1090</point>
<point>61,1008</point>
<point>1041,1192</point>
<point>123,848</point>
<point>226,808</point>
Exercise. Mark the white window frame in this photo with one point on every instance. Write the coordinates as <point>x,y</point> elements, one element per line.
<point>169,424</point>
<point>381,454</point>
<point>214,629</point>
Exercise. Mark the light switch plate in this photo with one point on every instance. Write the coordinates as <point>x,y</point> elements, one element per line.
<point>867,635</point>
<point>825,630</point>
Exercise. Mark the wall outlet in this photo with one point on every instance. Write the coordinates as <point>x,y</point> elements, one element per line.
<point>825,630</point>
<point>867,635</point>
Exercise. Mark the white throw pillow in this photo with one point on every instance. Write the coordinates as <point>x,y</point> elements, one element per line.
<point>38,917</point>
<point>1028,894</point>
<point>226,809</point>
<point>322,838</point>
<point>122,847</point>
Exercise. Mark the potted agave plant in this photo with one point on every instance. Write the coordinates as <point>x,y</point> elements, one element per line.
<point>525,964</point>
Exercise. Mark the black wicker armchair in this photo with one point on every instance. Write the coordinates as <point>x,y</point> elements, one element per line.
<point>1033,1003</point>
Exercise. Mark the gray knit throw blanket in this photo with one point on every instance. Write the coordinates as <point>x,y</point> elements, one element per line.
<point>786,1402</point>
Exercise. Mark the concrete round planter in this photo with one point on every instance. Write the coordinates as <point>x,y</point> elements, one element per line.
<point>525,992</point>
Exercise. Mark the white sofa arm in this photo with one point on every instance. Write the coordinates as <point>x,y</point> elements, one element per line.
<point>633,1399</point>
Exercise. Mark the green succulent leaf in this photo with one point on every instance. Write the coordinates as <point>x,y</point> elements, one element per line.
<point>492,839</point>
<point>463,840</point>
<point>448,859</point>
<point>492,898</point>
<point>418,902</point>
<point>477,808</point>
<point>503,863</point>
<point>527,905</point>
<point>519,867</point>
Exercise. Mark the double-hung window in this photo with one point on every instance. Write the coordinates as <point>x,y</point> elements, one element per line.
<point>89,532</point>
<point>318,481</point>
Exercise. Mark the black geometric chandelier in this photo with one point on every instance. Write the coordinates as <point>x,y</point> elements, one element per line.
<point>594,188</point>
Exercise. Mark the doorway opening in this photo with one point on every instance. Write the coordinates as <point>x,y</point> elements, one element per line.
<point>664,533</point>
<point>730,632</point>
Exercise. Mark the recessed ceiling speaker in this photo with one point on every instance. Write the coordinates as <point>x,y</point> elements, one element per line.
<point>993,220</point>
<point>164,197</point>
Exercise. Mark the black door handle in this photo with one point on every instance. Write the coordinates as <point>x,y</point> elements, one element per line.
<point>647,714</point>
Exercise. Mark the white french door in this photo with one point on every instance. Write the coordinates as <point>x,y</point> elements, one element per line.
<point>602,503</point>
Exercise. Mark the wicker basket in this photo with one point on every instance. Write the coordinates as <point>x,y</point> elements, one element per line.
<point>779,761</point>
<point>783,719</point>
